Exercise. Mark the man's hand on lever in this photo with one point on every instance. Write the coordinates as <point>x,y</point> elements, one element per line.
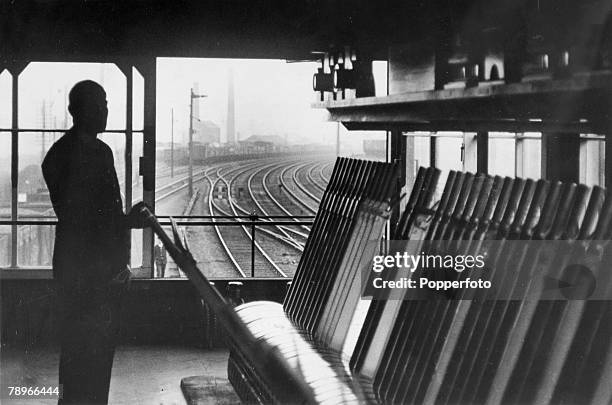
<point>136,218</point>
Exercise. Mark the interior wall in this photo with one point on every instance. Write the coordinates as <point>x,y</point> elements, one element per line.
<point>154,312</point>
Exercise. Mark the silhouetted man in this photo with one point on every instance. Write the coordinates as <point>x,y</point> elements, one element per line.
<point>91,246</point>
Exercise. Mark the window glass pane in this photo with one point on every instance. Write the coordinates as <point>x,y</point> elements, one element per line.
<point>258,147</point>
<point>259,115</point>
<point>137,100</point>
<point>35,245</point>
<point>375,146</point>
<point>6,88</point>
<point>379,70</point>
<point>5,165</point>
<point>34,242</point>
<point>593,162</point>
<point>448,152</point>
<point>5,245</point>
<point>358,144</point>
<point>43,104</point>
<point>44,88</point>
<point>5,175</point>
<point>32,194</point>
<point>422,150</point>
<point>502,154</point>
<point>531,155</point>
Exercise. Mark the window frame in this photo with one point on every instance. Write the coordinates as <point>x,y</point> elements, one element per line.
<point>14,270</point>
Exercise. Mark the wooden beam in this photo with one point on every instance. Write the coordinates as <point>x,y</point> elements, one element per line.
<point>15,68</point>
<point>608,160</point>
<point>482,152</point>
<point>26,274</point>
<point>398,154</point>
<point>572,87</point>
<point>576,104</point>
<point>432,151</point>
<point>127,70</point>
<point>147,68</point>
<point>355,123</point>
<point>14,164</point>
<point>470,152</point>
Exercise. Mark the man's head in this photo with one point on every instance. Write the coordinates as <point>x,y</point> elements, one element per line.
<point>88,106</point>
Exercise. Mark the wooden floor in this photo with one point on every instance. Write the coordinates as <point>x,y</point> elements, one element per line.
<point>141,374</point>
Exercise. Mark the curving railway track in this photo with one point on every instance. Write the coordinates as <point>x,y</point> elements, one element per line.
<point>298,192</point>
<point>303,177</point>
<point>270,205</point>
<point>238,248</point>
<point>246,191</point>
<point>315,179</point>
<point>325,171</point>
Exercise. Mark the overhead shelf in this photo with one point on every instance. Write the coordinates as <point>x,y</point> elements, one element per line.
<point>581,103</point>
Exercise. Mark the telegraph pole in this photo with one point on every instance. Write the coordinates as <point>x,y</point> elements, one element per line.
<point>192,96</point>
<point>189,147</point>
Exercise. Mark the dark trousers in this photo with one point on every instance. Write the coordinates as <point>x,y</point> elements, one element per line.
<point>161,269</point>
<point>90,327</point>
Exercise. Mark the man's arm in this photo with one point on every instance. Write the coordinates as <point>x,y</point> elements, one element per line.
<point>53,170</point>
<point>133,219</point>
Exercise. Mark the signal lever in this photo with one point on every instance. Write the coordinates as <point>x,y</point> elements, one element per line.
<point>289,383</point>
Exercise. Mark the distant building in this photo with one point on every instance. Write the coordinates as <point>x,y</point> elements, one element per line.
<point>206,132</point>
<point>275,140</point>
<point>262,144</point>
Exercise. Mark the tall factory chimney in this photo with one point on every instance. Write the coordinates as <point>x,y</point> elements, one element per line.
<point>231,125</point>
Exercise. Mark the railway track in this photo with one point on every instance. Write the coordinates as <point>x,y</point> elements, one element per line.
<point>315,178</point>
<point>269,204</point>
<point>300,196</point>
<point>286,202</point>
<point>325,171</point>
<point>233,238</point>
<point>258,202</point>
<point>237,245</point>
<point>301,177</point>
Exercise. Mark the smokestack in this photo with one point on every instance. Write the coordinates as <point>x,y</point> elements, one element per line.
<point>231,128</point>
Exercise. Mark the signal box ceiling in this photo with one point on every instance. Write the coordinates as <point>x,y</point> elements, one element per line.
<point>86,30</point>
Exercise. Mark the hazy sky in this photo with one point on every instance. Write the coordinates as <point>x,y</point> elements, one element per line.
<point>272,97</point>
